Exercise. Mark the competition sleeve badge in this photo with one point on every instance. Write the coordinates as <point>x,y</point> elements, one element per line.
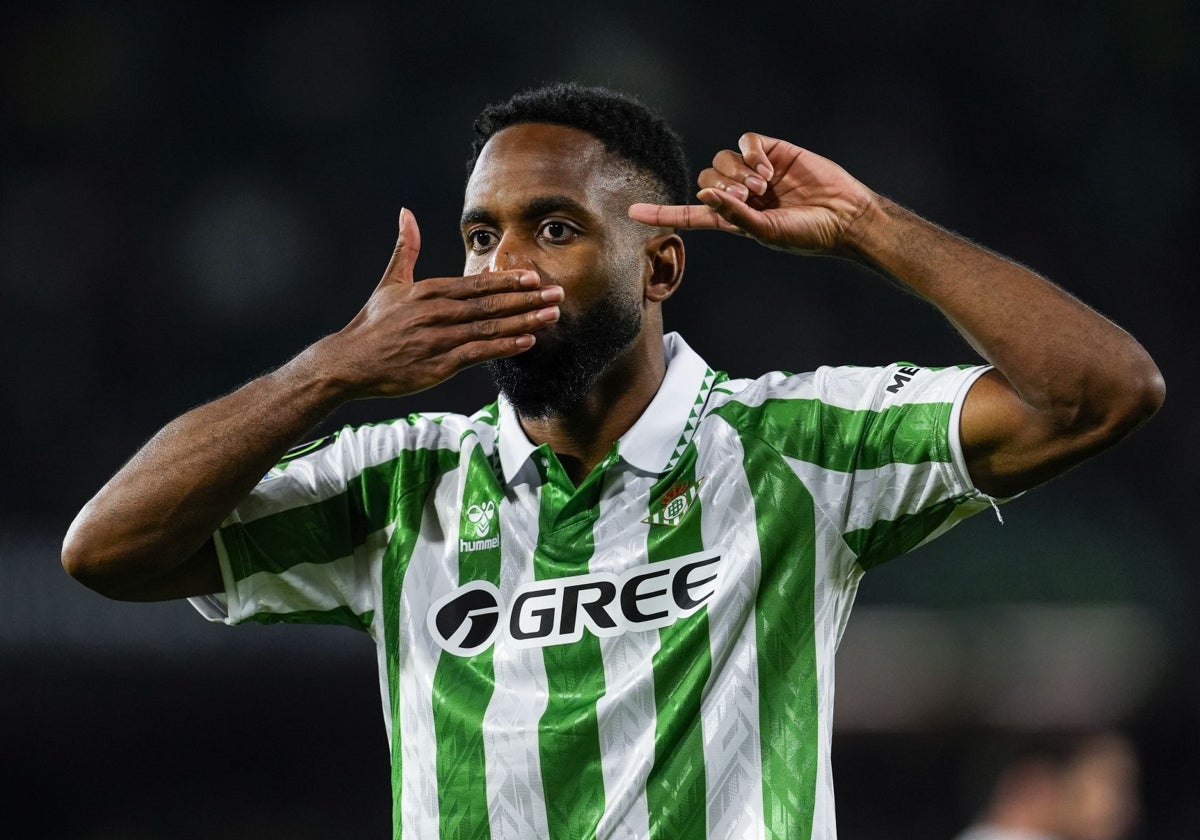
<point>675,503</point>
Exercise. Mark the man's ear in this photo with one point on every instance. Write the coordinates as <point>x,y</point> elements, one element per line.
<point>664,254</point>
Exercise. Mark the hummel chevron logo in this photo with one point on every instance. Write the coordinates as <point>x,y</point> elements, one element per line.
<point>481,516</point>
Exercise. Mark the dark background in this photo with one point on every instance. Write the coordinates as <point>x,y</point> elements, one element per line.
<point>193,192</point>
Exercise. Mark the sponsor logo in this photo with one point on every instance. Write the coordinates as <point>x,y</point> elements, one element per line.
<point>558,611</point>
<point>482,517</point>
<point>901,377</point>
<point>465,621</point>
<point>675,503</point>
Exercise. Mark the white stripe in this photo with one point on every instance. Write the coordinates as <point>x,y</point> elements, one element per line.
<point>834,588</point>
<point>729,711</point>
<point>626,713</point>
<point>305,586</point>
<point>432,573</point>
<point>516,797</point>
<point>858,500</point>
<point>851,387</point>
<point>323,474</point>
<point>378,625</point>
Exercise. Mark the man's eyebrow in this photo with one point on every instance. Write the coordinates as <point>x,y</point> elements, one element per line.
<point>542,205</point>
<point>473,216</point>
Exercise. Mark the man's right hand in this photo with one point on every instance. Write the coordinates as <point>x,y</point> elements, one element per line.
<point>412,335</point>
<point>147,534</point>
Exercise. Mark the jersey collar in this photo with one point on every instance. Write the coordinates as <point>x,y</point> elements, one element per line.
<point>657,438</point>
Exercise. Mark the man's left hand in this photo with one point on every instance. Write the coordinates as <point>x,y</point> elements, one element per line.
<point>786,197</point>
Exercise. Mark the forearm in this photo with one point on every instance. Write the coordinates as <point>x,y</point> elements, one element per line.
<point>169,498</point>
<point>1061,357</point>
<point>1069,383</point>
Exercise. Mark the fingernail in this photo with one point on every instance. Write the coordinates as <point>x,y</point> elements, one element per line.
<point>764,171</point>
<point>529,279</point>
<point>552,293</point>
<point>757,185</point>
<point>524,341</point>
<point>710,197</point>
<point>739,190</point>
<point>550,313</point>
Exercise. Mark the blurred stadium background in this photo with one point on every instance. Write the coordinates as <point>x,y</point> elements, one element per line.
<point>192,192</point>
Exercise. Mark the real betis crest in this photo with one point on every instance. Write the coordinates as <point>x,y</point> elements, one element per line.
<point>675,503</point>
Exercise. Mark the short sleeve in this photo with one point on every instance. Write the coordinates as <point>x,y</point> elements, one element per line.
<point>300,547</point>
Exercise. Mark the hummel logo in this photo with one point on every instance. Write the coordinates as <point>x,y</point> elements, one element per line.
<point>481,516</point>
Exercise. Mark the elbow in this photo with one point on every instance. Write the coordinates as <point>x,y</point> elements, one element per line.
<point>78,557</point>
<point>1146,394</point>
<point>1140,396</point>
<point>85,558</point>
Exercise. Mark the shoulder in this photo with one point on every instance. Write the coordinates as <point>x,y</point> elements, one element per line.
<point>847,387</point>
<point>440,436</point>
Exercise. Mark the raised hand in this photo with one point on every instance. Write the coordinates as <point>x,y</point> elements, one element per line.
<point>784,196</point>
<point>410,336</point>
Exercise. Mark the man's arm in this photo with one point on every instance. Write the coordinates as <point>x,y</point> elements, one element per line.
<point>147,534</point>
<point>1068,382</point>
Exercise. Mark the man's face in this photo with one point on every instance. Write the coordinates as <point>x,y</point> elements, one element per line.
<point>551,199</point>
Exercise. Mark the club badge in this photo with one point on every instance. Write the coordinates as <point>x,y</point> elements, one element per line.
<point>675,503</point>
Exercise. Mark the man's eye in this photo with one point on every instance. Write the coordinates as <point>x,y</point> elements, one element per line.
<point>557,231</point>
<point>481,239</point>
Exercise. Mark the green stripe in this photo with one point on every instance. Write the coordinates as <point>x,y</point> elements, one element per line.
<point>343,616</point>
<point>676,790</point>
<point>887,539</point>
<point>463,686</point>
<point>406,510</point>
<point>332,528</point>
<point>785,636</point>
<point>846,440</point>
<point>569,731</point>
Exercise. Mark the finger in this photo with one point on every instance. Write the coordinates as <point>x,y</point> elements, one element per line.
<point>485,283</point>
<point>730,172</point>
<point>408,248</point>
<point>711,179</point>
<point>507,303</point>
<point>754,152</point>
<point>476,352</point>
<point>510,326</point>
<point>688,216</point>
<point>736,216</point>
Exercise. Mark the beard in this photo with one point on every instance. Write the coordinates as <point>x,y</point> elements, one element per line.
<point>558,372</point>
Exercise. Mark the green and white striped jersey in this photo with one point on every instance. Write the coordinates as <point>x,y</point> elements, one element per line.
<point>647,655</point>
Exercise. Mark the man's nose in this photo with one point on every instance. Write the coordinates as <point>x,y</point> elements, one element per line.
<point>509,255</point>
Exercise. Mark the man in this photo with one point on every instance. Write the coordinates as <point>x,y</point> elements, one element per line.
<point>608,604</point>
<point>1071,786</point>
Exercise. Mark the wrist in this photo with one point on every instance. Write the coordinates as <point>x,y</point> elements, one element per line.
<point>316,374</point>
<point>867,228</point>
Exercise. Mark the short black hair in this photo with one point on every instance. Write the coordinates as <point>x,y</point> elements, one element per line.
<point>627,127</point>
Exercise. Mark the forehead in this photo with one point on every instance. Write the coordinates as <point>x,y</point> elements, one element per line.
<point>532,159</point>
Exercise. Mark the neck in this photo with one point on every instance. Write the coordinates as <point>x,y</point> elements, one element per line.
<point>583,435</point>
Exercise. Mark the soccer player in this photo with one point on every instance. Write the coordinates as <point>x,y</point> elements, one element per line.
<point>607,604</point>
